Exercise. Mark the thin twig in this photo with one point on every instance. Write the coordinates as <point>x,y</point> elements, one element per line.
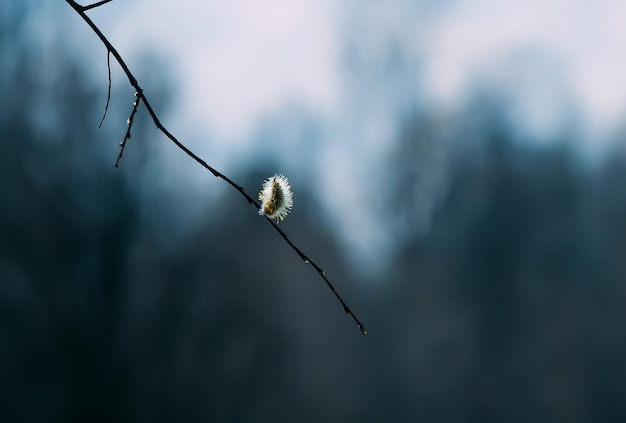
<point>141,96</point>
<point>321,272</point>
<point>93,6</point>
<point>129,124</point>
<point>106,106</point>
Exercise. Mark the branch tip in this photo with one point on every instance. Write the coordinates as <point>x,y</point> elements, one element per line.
<point>129,123</point>
<point>106,106</point>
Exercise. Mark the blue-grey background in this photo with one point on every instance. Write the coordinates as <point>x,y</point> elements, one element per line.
<point>458,171</point>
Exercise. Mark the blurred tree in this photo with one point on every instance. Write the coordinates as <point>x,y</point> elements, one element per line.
<point>67,225</point>
<point>506,300</point>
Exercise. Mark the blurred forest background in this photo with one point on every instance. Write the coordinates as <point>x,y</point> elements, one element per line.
<point>507,306</point>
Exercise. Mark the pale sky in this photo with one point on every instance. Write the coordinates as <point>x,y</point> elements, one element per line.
<point>237,61</point>
<point>582,43</point>
<point>240,61</point>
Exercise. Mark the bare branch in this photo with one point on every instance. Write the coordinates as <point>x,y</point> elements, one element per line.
<point>106,106</point>
<point>141,96</point>
<point>129,124</point>
<point>93,6</point>
<point>321,272</point>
